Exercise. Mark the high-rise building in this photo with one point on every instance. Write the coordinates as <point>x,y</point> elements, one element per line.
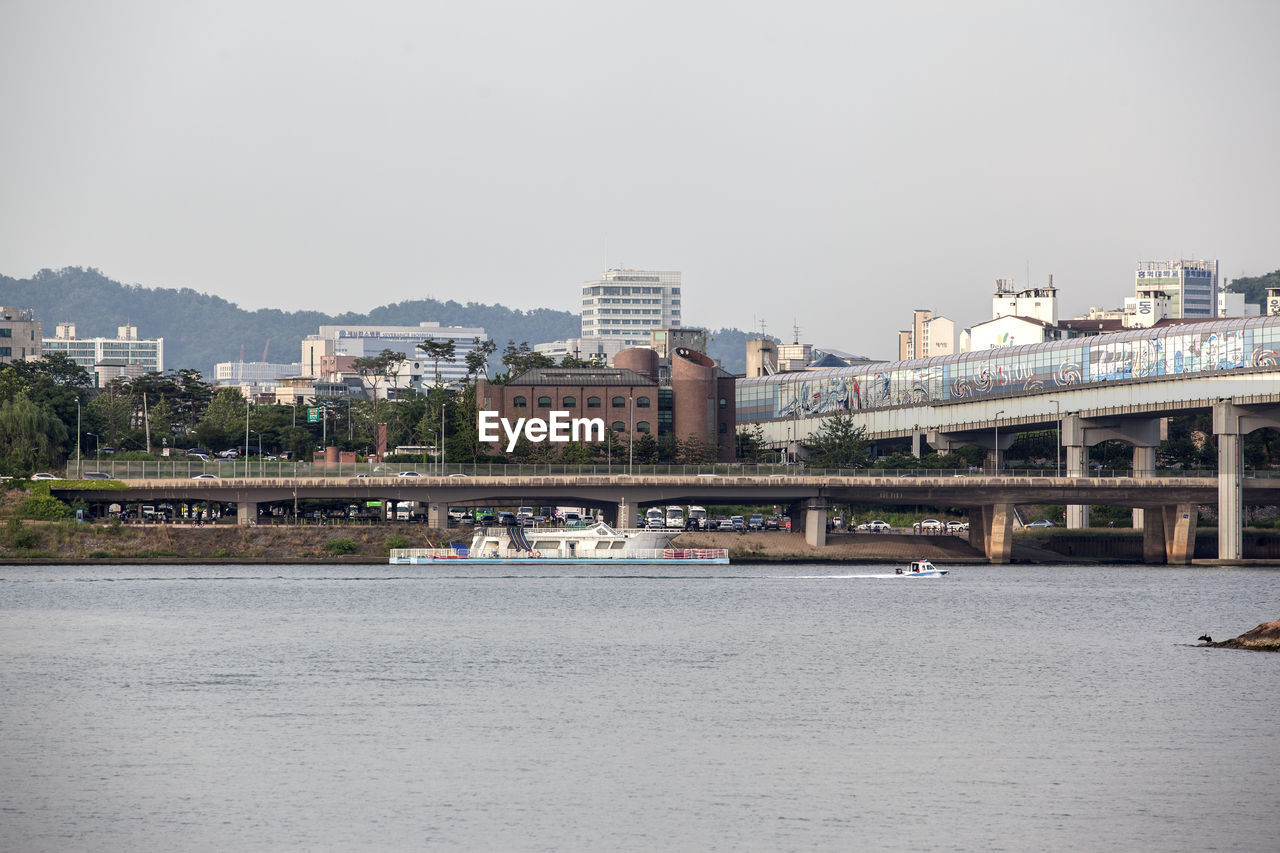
<point>1192,286</point>
<point>125,350</point>
<point>20,334</point>
<point>627,304</point>
<point>929,336</point>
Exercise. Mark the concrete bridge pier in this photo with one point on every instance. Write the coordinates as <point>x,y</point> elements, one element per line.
<point>1169,534</point>
<point>946,442</point>
<point>815,522</point>
<point>1079,434</point>
<point>625,516</point>
<point>437,515</point>
<point>991,531</point>
<point>1231,422</point>
<point>246,512</point>
<point>1144,465</point>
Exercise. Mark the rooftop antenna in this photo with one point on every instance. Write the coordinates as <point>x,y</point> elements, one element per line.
<point>762,335</point>
<point>795,331</point>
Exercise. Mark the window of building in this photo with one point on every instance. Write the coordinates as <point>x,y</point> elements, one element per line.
<point>619,402</point>
<point>642,426</point>
<point>724,404</point>
<point>6,333</point>
<point>519,402</point>
<point>593,402</point>
<point>569,402</point>
<point>642,402</point>
<point>544,402</point>
<point>619,426</point>
<point>724,427</point>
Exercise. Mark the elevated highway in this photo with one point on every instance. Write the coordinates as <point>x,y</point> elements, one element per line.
<point>1170,504</point>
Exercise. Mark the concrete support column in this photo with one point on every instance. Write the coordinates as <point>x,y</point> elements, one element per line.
<point>998,530</point>
<point>1180,533</point>
<point>815,522</point>
<point>246,512</point>
<point>915,444</point>
<point>1226,428</point>
<point>437,515</point>
<point>624,517</point>
<point>1144,465</point>
<point>1077,459</point>
<point>1154,548</point>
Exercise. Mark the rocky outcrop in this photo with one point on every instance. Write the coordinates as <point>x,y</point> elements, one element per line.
<point>1264,638</point>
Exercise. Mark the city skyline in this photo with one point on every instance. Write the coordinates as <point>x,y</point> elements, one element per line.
<point>833,168</point>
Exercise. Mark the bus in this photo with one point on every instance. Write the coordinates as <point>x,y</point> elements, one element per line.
<point>653,518</point>
<point>697,518</point>
<point>675,518</point>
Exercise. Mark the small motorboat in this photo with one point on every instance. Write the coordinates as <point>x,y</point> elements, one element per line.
<point>922,569</point>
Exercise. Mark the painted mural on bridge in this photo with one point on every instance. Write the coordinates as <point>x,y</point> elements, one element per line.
<point>1251,343</point>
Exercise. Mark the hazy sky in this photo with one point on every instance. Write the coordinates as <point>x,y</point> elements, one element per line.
<point>829,164</point>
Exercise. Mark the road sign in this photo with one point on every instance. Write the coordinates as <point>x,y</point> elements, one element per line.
<point>313,416</point>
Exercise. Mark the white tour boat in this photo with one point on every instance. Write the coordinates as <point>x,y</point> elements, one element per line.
<point>590,543</point>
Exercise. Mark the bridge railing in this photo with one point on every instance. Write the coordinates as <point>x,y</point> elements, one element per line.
<point>235,469</point>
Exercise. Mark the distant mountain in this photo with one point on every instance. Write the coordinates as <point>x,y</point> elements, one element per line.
<point>1254,288</point>
<point>200,330</point>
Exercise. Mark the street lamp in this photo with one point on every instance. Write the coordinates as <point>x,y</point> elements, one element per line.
<point>997,419</point>
<point>246,452</point>
<point>1057,459</point>
<point>96,463</point>
<point>631,437</point>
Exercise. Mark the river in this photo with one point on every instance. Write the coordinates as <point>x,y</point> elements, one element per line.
<point>698,708</point>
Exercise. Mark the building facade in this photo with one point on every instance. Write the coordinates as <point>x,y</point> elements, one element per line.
<point>366,341</point>
<point>628,304</point>
<point>254,373</point>
<point>143,355</point>
<point>1192,286</point>
<point>699,403</point>
<point>928,336</point>
<point>20,335</point>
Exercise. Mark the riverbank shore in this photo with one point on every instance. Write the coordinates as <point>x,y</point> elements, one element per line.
<point>66,542</point>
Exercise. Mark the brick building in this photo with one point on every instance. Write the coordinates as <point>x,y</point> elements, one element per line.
<point>699,402</point>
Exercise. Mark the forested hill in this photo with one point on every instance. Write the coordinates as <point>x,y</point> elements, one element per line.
<point>1254,288</point>
<point>200,330</point>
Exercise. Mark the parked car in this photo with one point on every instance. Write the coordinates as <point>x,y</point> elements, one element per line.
<point>1044,522</point>
<point>931,524</point>
<point>95,475</point>
<point>507,519</point>
<point>205,477</point>
<point>408,474</point>
<point>756,522</point>
<point>772,523</point>
<point>954,526</point>
<point>738,522</point>
<point>723,523</point>
<point>45,475</point>
<point>875,526</point>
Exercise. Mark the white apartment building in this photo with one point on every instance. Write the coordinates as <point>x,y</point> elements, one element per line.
<point>257,374</point>
<point>627,304</point>
<point>365,341</point>
<point>1037,303</point>
<point>1233,305</point>
<point>584,348</point>
<point>126,349</point>
<point>1192,286</point>
<point>928,336</point>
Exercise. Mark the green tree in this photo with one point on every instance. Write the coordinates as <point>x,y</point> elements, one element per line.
<point>518,359</point>
<point>839,443</point>
<point>224,420</point>
<point>477,361</point>
<point>751,444</point>
<point>31,436</point>
<point>439,351</point>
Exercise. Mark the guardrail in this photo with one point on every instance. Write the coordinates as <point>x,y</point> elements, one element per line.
<point>410,555</point>
<point>236,469</point>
